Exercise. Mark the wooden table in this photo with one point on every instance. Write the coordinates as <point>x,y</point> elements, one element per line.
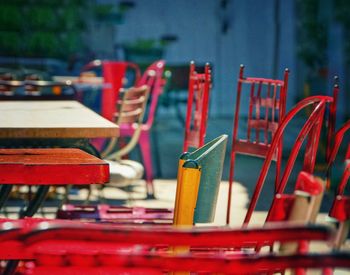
<point>51,124</point>
<point>52,119</point>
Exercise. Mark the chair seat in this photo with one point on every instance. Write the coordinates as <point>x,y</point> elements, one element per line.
<point>124,170</point>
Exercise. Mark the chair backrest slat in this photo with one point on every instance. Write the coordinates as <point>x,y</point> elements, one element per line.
<point>197,107</point>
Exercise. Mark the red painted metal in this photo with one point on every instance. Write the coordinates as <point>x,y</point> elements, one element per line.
<point>340,209</point>
<point>282,203</point>
<point>153,78</point>
<point>117,214</point>
<point>332,118</point>
<point>196,119</point>
<point>318,103</point>
<point>113,73</point>
<point>34,233</point>
<point>248,264</point>
<point>58,246</point>
<point>51,166</point>
<point>266,107</point>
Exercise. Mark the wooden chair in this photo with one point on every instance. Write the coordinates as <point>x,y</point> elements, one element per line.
<point>131,109</point>
<point>153,78</point>
<point>113,73</point>
<point>197,107</point>
<point>267,107</point>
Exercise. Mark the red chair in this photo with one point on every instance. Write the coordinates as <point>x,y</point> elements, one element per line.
<point>153,78</point>
<point>70,247</point>
<point>311,129</point>
<point>340,209</point>
<point>197,107</point>
<point>267,107</point>
<point>113,73</point>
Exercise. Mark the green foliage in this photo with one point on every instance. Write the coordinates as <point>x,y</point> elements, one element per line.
<point>312,34</point>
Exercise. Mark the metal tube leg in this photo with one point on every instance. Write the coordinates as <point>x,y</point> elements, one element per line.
<point>4,194</point>
<point>35,203</point>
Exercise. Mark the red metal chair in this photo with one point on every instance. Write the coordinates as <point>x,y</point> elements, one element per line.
<point>113,73</point>
<point>197,107</point>
<point>311,129</point>
<point>69,247</point>
<point>340,209</point>
<point>153,78</point>
<point>267,107</point>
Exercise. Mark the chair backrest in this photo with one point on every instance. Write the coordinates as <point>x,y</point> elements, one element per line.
<point>340,209</point>
<point>267,107</point>
<point>131,110</point>
<point>33,233</point>
<point>153,78</point>
<point>310,129</point>
<point>113,73</point>
<point>198,182</point>
<point>58,246</point>
<point>197,107</point>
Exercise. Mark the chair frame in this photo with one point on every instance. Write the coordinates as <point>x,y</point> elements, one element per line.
<point>311,129</point>
<point>198,94</point>
<point>256,148</point>
<point>152,77</point>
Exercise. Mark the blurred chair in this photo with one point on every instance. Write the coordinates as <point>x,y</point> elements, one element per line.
<point>114,77</point>
<point>131,109</point>
<point>197,107</point>
<point>153,78</point>
<point>65,247</point>
<point>267,107</point>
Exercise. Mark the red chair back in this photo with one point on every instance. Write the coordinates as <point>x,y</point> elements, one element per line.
<point>113,73</point>
<point>153,78</point>
<point>267,107</point>
<point>314,121</point>
<point>197,107</point>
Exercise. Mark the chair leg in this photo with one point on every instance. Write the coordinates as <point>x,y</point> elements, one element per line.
<point>230,182</point>
<point>145,147</point>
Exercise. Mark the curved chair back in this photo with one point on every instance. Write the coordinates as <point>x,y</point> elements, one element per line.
<point>340,209</point>
<point>131,109</point>
<point>197,107</point>
<point>310,129</point>
<point>198,182</point>
<point>113,73</point>
<point>153,78</point>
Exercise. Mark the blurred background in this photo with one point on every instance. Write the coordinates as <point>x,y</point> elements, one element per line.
<point>310,37</point>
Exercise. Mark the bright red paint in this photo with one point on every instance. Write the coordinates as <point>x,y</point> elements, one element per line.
<point>51,166</point>
<point>196,119</point>
<point>265,121</point>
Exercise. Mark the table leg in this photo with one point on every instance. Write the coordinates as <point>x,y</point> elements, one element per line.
<point>4,194</point>
<point>32,208</point>
<point>35,203</point>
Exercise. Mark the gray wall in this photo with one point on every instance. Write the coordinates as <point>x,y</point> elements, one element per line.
<point>198,24</point>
